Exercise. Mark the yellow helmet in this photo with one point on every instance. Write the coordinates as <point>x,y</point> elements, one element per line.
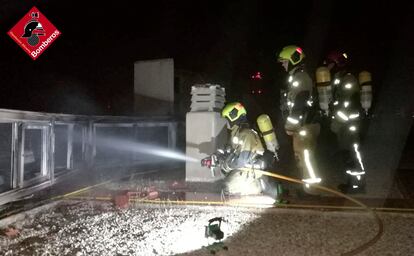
<point>291,53</point>
<point>233,111</point>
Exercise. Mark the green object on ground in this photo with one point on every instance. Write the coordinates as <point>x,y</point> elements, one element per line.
<point>213,229</point>
<point>281,201</point>
<point>215,247</point>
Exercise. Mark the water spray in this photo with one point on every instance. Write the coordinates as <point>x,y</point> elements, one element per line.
<point>142,148</point>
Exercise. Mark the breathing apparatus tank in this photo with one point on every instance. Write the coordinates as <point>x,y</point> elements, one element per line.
<point>323,83</point>
<point>365,82</point>
<point>268,133</point>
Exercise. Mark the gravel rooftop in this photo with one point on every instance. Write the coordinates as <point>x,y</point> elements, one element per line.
<point>97,228</point>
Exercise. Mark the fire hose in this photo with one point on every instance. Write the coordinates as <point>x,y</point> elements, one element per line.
<point>361,205</point>
<point>357,250</point>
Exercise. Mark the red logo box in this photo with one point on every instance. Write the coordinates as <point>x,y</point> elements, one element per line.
<point>34,33</point>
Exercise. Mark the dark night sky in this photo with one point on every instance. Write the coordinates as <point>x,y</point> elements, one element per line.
<point>91,64</point>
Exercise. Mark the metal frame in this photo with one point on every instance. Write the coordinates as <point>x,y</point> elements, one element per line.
<point>14,155</point>
<point>69,156</point>
<point>69,143</point>
<point>45,164</point>
<point>46,122</point>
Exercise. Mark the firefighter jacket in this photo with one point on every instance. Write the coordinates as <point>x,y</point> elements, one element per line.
<point>298,99</point>
<point>246,149</point>
<point>346,98</point>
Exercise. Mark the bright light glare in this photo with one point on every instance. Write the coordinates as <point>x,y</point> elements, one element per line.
<point>358,156</point>
<point>311,181</point>
<point>353,116</point>
<point>292,120</point>
<point>260,201</point>
<point>353,173</point>
<point>309,167</point>
<point>189,235</point>
<point>342,115</point>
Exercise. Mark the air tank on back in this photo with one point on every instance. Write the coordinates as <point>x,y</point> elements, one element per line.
<point>365,81</point>
<point>268,133</point>
<point>323,83</point>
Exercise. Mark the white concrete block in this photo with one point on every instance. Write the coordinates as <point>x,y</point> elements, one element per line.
<point>207,97</point>
<point>205,133</point>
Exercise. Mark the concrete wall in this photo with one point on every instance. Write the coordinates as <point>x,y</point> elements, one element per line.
<point>392,118</point>
<point>155,78</point>
<point>148,106</point>
<point>205,133</point>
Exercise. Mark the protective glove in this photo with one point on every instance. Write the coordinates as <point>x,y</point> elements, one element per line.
<point>225,168</point>
<point>210,161</point>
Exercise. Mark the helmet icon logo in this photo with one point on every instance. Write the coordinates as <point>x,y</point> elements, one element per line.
<point>34,33</point>
<point>33,29</point>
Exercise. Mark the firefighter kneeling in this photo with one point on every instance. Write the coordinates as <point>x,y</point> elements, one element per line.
<point>245,150</point>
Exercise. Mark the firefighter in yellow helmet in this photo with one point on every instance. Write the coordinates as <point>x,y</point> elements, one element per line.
<point>300,114</point>
<point>244,150</point>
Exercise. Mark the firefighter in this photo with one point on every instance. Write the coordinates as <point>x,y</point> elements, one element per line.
<point>344,106</point>
<point>299,114</point>
<point>244,150</point>
<point>338,63</point>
